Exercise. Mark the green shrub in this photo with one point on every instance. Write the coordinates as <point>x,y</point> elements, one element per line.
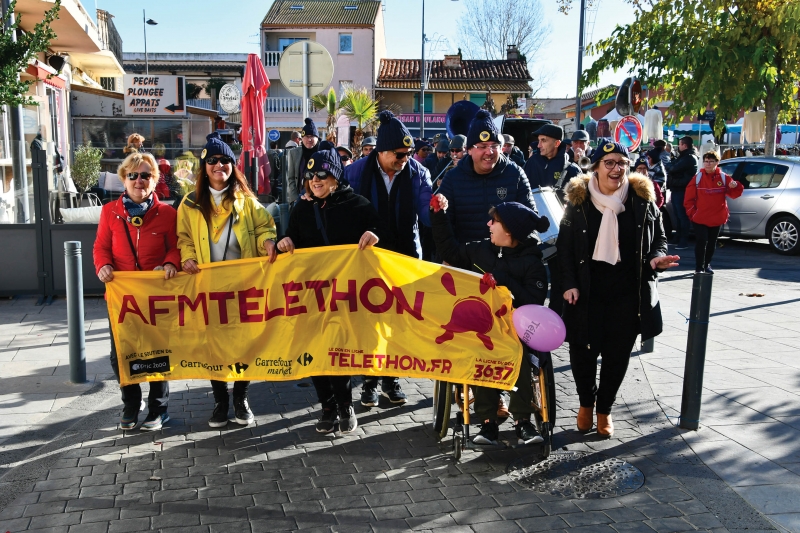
<point>86,166</point>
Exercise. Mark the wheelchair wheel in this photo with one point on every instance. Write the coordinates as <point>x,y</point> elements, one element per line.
<point>458,441</point>
<point>442,399</point>
<point>544,398</point>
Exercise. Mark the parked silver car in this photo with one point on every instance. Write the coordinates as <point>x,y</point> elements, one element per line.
<point>768,208</point>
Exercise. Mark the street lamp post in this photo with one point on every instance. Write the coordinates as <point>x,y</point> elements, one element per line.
<point>145,22</point>
<point>422,80</point>
<point>580,65</point>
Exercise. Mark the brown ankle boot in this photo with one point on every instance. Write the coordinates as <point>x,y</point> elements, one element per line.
<point>605,426</point>
<point>585,419</point>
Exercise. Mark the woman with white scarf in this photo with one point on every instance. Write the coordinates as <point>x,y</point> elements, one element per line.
<point>611,245</point>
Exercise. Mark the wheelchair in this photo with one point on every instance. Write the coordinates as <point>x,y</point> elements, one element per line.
<point>445,394</point>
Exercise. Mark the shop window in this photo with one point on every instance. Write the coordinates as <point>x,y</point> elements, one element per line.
<point>345,43</point>
<point>428,102</point>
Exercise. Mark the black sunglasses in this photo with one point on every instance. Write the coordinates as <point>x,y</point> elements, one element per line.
<point>320,175</point>
<point>345,157</point>
<point>403,155</point>
<point>144,175</point>
<point>456,150</point>
<point>225,160</point>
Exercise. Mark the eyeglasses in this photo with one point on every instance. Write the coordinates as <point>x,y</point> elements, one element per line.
<point>144,175</point>
<point>320,175</point>
<point>403,155</point>
<point>344,157</point>
<point>456,150</point>
<point>611,163</point>
<point>225,160</point>
<point>487,147</point>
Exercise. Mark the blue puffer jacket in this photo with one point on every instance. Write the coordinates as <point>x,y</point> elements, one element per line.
<point>421,193</point>
<point>471,195</point>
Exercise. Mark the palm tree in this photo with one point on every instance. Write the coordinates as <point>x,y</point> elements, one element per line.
<point>359,105</point>
<point>328,103</point>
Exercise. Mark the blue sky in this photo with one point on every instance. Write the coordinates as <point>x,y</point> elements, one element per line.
<point>202,26</point>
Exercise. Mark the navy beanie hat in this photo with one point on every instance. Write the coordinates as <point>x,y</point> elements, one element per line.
<point>310,128</point>
<point>606,148</point>
<point>392,134</point>
<point>520,220</point>
<point>419,144</point>
<point>327,159</point>
<point>216,146</point>
<point>482,129</point>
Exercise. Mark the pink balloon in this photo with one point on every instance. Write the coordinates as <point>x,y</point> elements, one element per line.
<point>539,327</point>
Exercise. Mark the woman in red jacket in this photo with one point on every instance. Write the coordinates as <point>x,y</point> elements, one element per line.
<point>707,207</point>
<point>137,232</point>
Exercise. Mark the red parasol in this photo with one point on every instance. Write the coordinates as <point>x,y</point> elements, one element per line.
<point>254,92</point>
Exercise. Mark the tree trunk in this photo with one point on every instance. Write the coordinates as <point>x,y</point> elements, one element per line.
<point>358,136</point>
<point>771,115</point>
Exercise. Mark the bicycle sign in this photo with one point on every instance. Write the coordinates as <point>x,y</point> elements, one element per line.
<point>628,132</point>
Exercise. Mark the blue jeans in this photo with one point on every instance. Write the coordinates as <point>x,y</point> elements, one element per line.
<point>681,220</point>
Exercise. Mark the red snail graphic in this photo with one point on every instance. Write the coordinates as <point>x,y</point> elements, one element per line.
<point>471,314</point>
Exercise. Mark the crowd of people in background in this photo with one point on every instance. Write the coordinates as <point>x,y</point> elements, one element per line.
<point>466,201</point>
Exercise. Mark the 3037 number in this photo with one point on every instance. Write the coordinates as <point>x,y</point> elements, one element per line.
<point>493,372</point>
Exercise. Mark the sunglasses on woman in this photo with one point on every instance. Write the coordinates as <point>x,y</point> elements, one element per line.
<point>144,175</point>
<point>320,175</point>
<point>225,160</point>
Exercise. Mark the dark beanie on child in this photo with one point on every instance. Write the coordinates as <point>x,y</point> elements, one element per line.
<point>310,128</point>
<point>327,159</point>
<point>216,146</point>
<point>392,134</point>
<point>520,220</point>
<point>482,129</point>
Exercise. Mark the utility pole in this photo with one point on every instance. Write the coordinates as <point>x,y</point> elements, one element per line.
<point>580,65</point>
<point>422,80</point>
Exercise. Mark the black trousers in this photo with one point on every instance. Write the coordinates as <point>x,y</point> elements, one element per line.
<point>157,399</point>
<point>486,398</point>
<point>333,391</point>
<point>615,347</point>
<point>387,382</point>
<point>705,244</point>
<point>220,389</point>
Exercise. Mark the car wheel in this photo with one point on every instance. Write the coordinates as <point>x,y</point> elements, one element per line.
<point>784,235</point>
<point>667,223</point>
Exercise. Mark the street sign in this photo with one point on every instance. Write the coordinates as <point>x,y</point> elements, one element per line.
<point>319,68</point>
<point>146,95</point>
<point>230,98</point>
<point>628,132</point>
<point>274,135</point>
<point>708,116</point>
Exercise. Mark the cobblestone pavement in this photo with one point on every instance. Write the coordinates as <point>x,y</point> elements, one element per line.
<point>74,471</point>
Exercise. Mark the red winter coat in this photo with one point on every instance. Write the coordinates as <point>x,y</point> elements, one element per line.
<point>705,202</point>
<point>155,241</point>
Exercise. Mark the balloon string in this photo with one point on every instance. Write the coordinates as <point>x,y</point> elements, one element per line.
<point>479,268</point>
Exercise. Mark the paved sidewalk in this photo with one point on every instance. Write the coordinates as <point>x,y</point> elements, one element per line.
<point>65,467</point>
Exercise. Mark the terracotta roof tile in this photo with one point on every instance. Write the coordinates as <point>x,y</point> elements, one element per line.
<point>308,13</point>
<point>471,70</point>
<point>474,85</point>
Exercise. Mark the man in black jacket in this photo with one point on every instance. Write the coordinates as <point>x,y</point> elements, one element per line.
<point>512,152</point>
<point>679,173</point>
<point>550,166</point>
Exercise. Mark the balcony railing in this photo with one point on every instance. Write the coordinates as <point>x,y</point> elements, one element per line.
<point>271,59</point>
<point>276,104</point>
<point>108,34</point>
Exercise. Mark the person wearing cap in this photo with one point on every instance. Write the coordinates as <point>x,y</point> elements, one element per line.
<point>367,146</point>
<point>136,232</point>
<point>550,166</point>
<point>482,179</point>
<point>511,258</point>
<point>580,145</point>
<point>334,214</point>
<point>433,160</point>
<point>298,158</point>
<point>457,152</point>
<point>656,173</point>
<point>679,173</point>
<point>611,247</point>
<point>345,154</point>
<point>222,220</point>
<point>400,190</point>
<point>422,149</point>
<point>512,152</point>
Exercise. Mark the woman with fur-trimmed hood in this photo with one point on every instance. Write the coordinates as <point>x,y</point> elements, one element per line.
<point>611,244</point>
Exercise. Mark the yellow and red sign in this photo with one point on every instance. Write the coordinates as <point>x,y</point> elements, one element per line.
<point>319,311</point>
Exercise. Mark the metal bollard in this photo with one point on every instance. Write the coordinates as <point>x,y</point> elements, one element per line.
<point>696,351</point>
<point>649,346</point>
<point>77,339</point>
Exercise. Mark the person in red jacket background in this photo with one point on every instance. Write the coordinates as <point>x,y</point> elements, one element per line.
<point>707,207</point>
<point>137,232</point>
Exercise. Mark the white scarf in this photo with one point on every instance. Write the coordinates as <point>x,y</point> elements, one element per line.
<point>607,246</point>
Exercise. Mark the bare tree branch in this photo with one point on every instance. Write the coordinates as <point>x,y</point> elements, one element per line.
<point>489,26</point>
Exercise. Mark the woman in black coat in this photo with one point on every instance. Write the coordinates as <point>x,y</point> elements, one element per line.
<point>331,214</point>
<point>610,244</point>
<point>510,257</point>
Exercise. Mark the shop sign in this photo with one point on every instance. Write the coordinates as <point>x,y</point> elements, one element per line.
<point>147,95</point>
<point>230,98</point>
<point>430,118</point>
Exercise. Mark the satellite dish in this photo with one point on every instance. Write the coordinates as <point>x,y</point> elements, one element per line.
<point>320,68</point>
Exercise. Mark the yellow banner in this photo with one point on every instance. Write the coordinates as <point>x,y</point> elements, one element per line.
<point>319,311</point>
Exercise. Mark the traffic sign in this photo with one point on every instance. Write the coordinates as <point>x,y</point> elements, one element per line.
<point>274,135</point>
<point>315,58</point>
<point>628,132</point>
